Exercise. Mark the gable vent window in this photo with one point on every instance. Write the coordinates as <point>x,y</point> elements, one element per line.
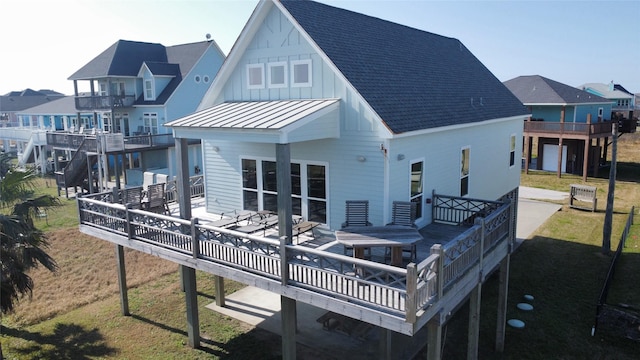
<point>205,79</point>
<point>255,76</point>
<point>277,74</point>
<point>301,73</point>
<point>197,79</point>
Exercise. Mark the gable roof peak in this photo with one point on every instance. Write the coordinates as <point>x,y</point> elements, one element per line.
<point>411,78</point>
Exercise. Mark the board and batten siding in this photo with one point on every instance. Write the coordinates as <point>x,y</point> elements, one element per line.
<point>278,41</point>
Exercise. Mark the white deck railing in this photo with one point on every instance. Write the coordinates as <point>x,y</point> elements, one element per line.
<point>402,292</point>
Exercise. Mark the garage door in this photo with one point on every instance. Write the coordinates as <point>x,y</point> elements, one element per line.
<point>550,158</point>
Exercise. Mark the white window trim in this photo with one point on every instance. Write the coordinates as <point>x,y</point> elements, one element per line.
<point>255,66</point>
<point>515,146</point>
<point>276,64</point>
<point>303,181</point>
<point>462,149</point>
<point>422,184</point>
<point>309,73</point>
<point>153,90</point>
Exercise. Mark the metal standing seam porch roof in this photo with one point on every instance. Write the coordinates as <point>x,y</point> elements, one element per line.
<point>280,116</point>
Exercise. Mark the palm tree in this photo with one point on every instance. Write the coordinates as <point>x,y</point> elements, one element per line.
<point>22,244</point>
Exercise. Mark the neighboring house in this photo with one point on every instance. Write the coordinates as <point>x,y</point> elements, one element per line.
<point>58,115</point>
<point>563,117</point>
<point>16,138</point>
<point>624,101</point>
<point>314,106</point>
<point>135,88</point>
<point>15,101</point>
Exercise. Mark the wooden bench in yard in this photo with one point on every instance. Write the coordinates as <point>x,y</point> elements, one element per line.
<point>581,194</point>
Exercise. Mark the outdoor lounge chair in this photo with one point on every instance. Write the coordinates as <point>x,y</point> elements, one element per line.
<point>259,222</point>
<point>232,220</point>
<point>156,200</point>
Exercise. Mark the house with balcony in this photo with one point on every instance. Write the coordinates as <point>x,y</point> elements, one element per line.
<point>134,89</point>
<point>53,116</point>
<point>316,106</point>
<point>16,130</point>
<point>572,126</point>
<point>624,103</point>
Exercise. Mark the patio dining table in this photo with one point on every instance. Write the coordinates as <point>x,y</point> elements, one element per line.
<point>392,236</point>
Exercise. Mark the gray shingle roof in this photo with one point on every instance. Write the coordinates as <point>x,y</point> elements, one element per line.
<point>536,89</point>
<point>20,100</point>
<point>412,78</point>
<point>123,58</point>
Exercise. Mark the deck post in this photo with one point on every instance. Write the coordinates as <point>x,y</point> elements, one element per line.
<point>437,249</point>
<point>191,297</point>
<point>434,339</point>
<point>285,229</point>
<point>386,344</point>
<point>187,274</point>
<point>288,315</point>
<point>411,302</point>
<point>527,153</point>
<point>474,322</point>
<point>560,157</point>
<point>122,281</point>
<point>503,292</point>
<point>585,162</point>
<point>219,285</point>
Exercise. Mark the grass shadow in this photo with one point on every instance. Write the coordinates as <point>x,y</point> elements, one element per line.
<point>68,341</point>
<point>566,280</point>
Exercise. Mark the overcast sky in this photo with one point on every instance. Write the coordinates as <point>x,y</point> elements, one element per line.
<point>573,42</point>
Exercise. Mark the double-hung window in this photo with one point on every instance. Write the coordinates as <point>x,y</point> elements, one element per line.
<point>512,151</point>
<point>464,172</point>
<point>417,174</point>
<point>149,93</point>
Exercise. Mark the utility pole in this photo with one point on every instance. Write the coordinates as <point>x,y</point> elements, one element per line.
<point>608,217</point>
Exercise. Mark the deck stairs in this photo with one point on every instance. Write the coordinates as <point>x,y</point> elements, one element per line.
<point>76,172</point>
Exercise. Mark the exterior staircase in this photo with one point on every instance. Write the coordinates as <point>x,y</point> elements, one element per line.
<point>76,172</point>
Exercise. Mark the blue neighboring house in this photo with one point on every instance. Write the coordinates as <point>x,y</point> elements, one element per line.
<point>134,89</point>
<point>624,103</point>
<point>566,121</point>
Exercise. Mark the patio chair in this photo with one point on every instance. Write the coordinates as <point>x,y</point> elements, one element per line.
<point>156,199</point>
<point>132,196</point>
<point>404,213</point>
<point>356,214</point>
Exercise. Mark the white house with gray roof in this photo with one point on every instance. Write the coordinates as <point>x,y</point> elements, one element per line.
<point>371,109</point>
<point>316,106</point>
